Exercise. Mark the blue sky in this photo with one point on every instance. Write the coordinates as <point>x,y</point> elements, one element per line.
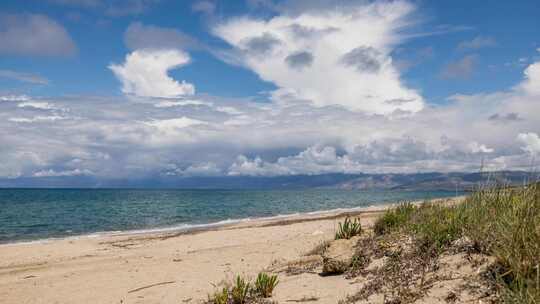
<point>220,88</point>
<point>99,40</point>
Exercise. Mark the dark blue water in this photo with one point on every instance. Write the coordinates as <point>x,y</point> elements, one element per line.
<point>30,214</point>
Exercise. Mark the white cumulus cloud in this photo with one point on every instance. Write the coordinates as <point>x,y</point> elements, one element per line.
<point>531,142</point>
<point>531,84</point>
<point>339,56</point>
<point>144,73</point>
<point>478,148</point>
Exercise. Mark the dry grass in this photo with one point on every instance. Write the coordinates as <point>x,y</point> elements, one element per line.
<point>305,299</point>
<point>401,278</point>
<point>319,249</point>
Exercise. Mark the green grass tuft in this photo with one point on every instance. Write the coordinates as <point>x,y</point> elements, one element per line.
<point>435,226</point>
<point>394,218</point>
<point>265,284</point>
<point>240,291</point>
<point>348,229</point>
<point>220,296</point>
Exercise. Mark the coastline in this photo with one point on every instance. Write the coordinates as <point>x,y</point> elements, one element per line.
<point>227,223</point>
<point>112,268</point>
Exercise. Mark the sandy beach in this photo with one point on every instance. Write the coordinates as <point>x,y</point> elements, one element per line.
<point>180,267</point>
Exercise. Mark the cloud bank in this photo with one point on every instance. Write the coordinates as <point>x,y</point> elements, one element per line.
<point>206,135</point>
<point>340,107</point>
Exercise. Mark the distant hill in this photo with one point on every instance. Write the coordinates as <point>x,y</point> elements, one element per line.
<point>403,182</point>
<point>437,181</point>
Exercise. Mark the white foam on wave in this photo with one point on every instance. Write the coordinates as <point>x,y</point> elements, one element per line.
<point>179,228</point>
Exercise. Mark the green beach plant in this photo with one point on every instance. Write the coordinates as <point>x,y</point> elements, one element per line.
<point>240,290</point>
<point>265,284</point>
<point>393,218</point>
<point>348,228</point>
<point>220,296</point>
<point>436,226</point>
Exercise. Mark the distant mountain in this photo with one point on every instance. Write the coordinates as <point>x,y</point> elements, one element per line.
<point>437,181</point>
<point>218,182</point>
<point>402,182</point>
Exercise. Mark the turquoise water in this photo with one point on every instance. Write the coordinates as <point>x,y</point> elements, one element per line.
<point>31,214</point>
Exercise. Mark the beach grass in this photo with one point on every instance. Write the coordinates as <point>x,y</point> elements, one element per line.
<point>502,222</point>
<point>394,218</point>
<point>242,291</point>
<point>220,296</point>
<point>265,284</point>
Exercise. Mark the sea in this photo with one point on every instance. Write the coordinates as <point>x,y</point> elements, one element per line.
<point>42,214</point>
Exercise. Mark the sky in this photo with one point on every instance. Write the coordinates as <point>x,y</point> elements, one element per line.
<point>134,88</point>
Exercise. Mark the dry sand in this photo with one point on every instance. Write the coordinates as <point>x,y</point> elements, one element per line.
<point>173,267</point>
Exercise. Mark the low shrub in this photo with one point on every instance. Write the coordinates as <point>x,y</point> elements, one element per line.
<point>348,229</point>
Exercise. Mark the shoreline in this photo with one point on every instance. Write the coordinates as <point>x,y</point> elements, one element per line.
<point>224,224</point>
<point>119,268</point>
